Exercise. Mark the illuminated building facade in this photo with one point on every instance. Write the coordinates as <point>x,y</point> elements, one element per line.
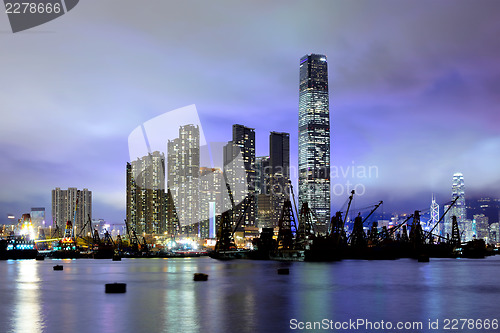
<point>241,181</point>
<point>146,194</point>
<point>314,138</point>
<point>494,236</point>
<point>211,182</point>
<point>434,218</point>
<point>64,203</point>
<point>184,178</point>
<point>279,163</point>
<point>482,227</point>
<point>459,209</point>
<point>262,190</point>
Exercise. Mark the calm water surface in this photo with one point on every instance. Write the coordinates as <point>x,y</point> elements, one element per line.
<point>242,296</point>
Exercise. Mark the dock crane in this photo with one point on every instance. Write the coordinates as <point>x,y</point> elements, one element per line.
<point>133,240</point>
<point>357,237</point>
<point>225,248</point>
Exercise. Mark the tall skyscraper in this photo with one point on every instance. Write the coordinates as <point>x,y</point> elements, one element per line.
<point>184,178</point>
<point>146,194</point>
<point>279,162</point>
<point>314,138</point>
<point>459,209</point>
<point>434,218</point>
<point>64,203</point>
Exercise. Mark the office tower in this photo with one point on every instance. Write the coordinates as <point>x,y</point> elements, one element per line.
<point>241,183</point>
<point>434,218</point>
<point>146,194</point>
<point>71,205</point>
<point>183,178</point>
<point>459,209</point>
<point>494,233</point>
<point>482,227</point>
<point>262,191</point>
<point>314,138</point>
<point>279,162</point>
<point>262,175</point>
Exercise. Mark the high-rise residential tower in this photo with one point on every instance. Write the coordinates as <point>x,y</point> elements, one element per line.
<point>146,194</point>
<point>314,138</point>
<point>71,205</point>
<point>184,178</point>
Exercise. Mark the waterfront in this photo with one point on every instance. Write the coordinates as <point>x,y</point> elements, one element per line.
<point>241,295</point>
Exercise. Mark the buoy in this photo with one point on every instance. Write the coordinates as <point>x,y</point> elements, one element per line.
<point>116,288</point>
<point>200,277</point>
<point>58,267</point>
<point>283,271</point>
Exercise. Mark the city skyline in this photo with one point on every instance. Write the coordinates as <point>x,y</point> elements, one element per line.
<point>417,101</point>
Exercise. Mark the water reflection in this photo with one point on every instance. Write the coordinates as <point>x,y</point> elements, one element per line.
<point>27,316</point>
<point>240,296</point>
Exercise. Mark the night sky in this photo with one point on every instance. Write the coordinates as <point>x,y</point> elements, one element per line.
<point>414,92</point>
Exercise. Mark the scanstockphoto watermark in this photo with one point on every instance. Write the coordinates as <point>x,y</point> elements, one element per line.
<point>26,14</point>
<point>352,177</point>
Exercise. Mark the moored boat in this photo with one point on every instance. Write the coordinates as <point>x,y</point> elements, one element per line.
<point>17,247</point>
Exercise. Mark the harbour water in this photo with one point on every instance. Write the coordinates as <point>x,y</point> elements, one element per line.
<point>246,296</point>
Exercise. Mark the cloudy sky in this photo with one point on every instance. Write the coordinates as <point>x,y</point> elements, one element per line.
<point>414,91</point>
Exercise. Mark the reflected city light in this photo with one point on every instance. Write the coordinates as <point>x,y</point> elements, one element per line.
<point>27,316</point>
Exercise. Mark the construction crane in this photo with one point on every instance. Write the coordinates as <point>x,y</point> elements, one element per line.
<point>225,233</point>
<point>358,237</point>
<point>348,207</point>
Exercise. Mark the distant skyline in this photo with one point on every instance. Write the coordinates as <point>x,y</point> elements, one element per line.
<point>414,92</point>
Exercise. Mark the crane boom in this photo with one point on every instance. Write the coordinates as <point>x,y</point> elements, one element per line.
<point>442,216</point>
<point>373,210</point>
<point>348,207</point>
